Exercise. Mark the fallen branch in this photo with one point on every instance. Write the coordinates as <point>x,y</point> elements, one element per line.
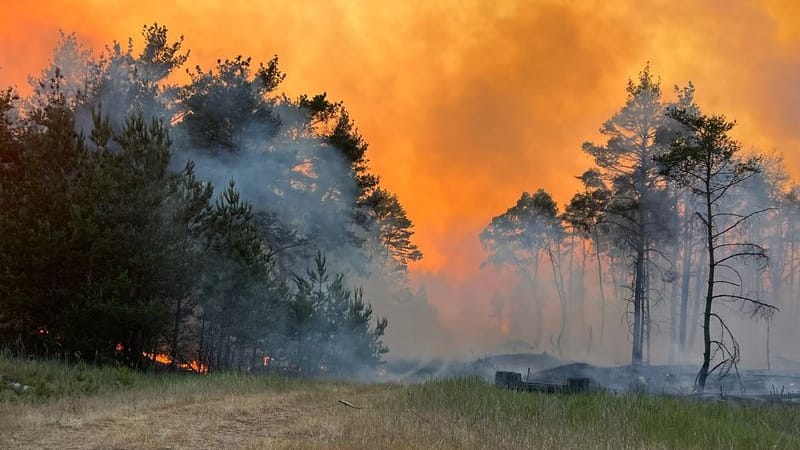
<point>349,405</point>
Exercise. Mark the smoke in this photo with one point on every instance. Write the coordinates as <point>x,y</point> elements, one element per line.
<point>275,180</point>
<point>498,101</point>
<point>301,188</point>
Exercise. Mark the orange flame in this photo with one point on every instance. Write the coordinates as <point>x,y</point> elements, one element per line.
<point>194,366</point>
<point>163,358</point>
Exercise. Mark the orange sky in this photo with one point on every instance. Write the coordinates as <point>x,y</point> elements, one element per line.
<point>468,103</point>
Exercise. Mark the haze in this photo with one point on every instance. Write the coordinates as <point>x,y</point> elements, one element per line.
<point>467,104</point>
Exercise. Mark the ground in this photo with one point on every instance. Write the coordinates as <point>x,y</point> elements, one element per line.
<point>85,407</point>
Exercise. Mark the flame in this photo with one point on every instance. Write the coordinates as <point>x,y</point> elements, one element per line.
<point>165,359</point>
<point>161,358</point>
<point>194,366</point>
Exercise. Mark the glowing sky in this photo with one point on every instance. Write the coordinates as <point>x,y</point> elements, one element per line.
<point>466,104</point>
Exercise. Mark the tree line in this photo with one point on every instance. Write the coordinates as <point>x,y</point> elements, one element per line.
<point>673,215</point>
<point>213,224</point>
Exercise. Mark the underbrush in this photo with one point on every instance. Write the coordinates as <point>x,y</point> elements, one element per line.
<point>45,380</point>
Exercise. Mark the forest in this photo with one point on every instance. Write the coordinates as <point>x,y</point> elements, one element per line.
<point>676,222</point>
<point>197,218</point>
<point>203,225</point>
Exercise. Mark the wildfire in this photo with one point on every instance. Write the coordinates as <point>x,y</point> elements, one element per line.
<point>194,366</point>
<point>163,358</point>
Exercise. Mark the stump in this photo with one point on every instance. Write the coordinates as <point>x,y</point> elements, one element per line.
<point>578,384</point>
<point>508,380</point>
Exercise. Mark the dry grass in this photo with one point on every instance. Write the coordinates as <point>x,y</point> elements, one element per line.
<point>230,411</point>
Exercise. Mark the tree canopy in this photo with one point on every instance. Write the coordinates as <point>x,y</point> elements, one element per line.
<point>169,223</point>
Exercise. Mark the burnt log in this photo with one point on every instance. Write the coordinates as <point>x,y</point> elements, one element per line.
<point>508,380</point>
<point>579,384</point>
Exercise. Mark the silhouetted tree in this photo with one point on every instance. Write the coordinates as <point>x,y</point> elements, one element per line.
<point>636,213</point>
<point>115,251</point>
<point>707,161</point>
<point>40,268</point>
<point>225,110</point>
<point>520,236</point>
<point>585,213</point>
<point>393,249</point>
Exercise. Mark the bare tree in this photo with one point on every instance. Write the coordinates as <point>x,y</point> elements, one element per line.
<point>705,159</point>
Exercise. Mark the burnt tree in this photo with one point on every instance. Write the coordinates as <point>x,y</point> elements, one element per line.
<point>706,160</point>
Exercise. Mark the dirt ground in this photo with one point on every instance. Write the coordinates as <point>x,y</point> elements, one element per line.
<point>253,420</point>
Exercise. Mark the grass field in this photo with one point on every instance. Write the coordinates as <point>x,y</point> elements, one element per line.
<point>86,407</point>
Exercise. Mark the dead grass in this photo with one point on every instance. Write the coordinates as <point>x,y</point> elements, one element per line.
<point>176,418</point>
<point>250,412</point>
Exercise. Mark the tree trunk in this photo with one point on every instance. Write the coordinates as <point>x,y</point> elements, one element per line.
<point>537,302</point>
<point>580,298</point>
<point>646,323</point>
<point>686,274</point>
<point>613,269</point>
<point>792,250</point>
<point>709,225</point>
<point>175,331</point>
<point>674,319</point>
<point>638,300</point>
<point>201,357</point>
<point>571,282</point>
<point>699,283</point>
<point>555,263</point>
<point>602,291</point>
<point>253,361</point>
<point>768,361</point>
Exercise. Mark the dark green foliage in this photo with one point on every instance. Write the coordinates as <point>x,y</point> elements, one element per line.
<point>330,327</point>
<point>39,269</point>
<point>585,211</point>
<point>394,249</point>
<point>345,138</point>
<point>8,98</point>
<point>310,153</point>
<point>235,286</point>
<point>117,252</point>
<point>225,110</point>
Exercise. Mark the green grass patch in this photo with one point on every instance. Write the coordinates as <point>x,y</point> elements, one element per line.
<point>52,380</point>
<point>628,420</point>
